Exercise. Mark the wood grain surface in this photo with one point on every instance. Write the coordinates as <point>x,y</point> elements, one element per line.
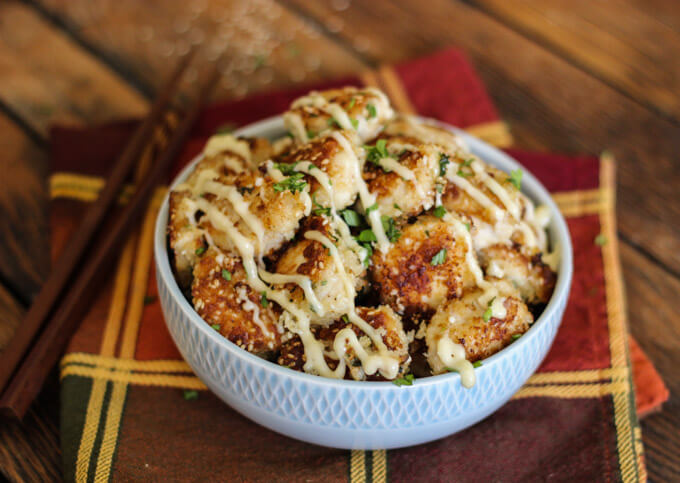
<point>575,77</point>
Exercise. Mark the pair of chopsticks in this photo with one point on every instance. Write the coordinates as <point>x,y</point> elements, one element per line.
<point>58,308</point>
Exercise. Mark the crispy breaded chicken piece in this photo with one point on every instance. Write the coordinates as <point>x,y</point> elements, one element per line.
<point>184,237</point>
<point>276,212</point>
<point>363,110</point>
<point>404,182</point>
<point>383,319</point>
<point>222,297</point>
<point>445,140</point>
<point>424,268</point>
<point>327,154</point>
<point>533,278</point>
<point>314,260</point>
<point>462,321</point>
<point>492,219</point>
<point>236,154</point>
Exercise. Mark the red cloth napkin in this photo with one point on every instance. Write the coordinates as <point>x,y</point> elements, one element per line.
<point>132,409</point>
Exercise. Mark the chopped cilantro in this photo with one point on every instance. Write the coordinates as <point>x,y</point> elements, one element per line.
<point>371,111</point>
<point>465,164</point>
<point>467,226</point>
<point>439,211</point>
<point>286,168</point>
<point>226,274</point>
<point>351,217</point>
<point>345,319</point>
<point>438,258</point>
<point>294,183</point>
<point>407,380</point>
<point>369,253</point>
<point>149,299</point>
<point>488,312</point>
<point>477,364</point>
<point>263,300</point>
<point>397,207</point>
<point>190,395</point>
<point>355,123</point>
<point>375,153</point>
<point>516,178</point>
<point>311,134</point>
<point>216,327</point>
<point>427,233</point>
<point>333,123</point>
<point>352,101</point>
<point>200,251</point>
<point>443,163</point>
<point>373,207</point>
<point>516,336</point>
<point>324,282</point>
<point>367,236</point>
<point>390,228</point>
<point>601,240</point>
<point>320,210</point>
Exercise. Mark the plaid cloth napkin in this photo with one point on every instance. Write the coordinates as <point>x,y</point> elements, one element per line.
<point>133,410</point>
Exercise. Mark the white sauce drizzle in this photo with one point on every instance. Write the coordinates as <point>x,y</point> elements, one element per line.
<point>453,357</point>
<point>366,197</point>
<point>249,306</point>
<point>226,142</point>
<point>296,126</point>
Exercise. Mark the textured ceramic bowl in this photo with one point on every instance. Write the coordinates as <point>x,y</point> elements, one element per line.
<point>353,414</point>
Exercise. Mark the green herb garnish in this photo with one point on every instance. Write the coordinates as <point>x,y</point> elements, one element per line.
<point>351,217</point>
<point>397,207</point>
<point>352,101</point>
<point>371,111</point>
<point>293,183</point>
<point>226,274</point>
<point>407,380</point>
<point>264,302</point>
<point>443,163</point>
<point>286,168</point>
<point>439,258</point>
<point>601,240</point>
<point>190,395</point>
<point>477,364</point>
<point>200,251</point>
<point>439,211</point>
<point>320,210</point>
<point>333,123</point>
<point>367,236</point>
<point>486,316</point>
<point>516,336</point>
<point>375,153</point>
<point>467,226</point>
<point>216,327</point>
<point>390,228</point>
<point>465,164</point>
<point>516,178</point>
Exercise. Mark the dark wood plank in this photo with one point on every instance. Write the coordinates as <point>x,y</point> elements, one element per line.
<point>618,42</point>
<point>652,305</point>
<point>46,77</point>
<point>267,46</point>
<point>549,103</point>
<point>24,245</point>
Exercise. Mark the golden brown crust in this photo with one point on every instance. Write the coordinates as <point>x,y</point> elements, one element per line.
<point>462,321</point>
<point>534,279</point>
<point>232,304</point>
<point>406,277</point>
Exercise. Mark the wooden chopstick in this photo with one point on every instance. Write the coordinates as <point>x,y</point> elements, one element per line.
<point>64,267</point>
<point>29,377</point>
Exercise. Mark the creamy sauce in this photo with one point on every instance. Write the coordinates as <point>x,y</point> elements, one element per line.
<point>453,357</point>
<point>249,306</point>
<point>226,142</point>
<point>367,198</point>
<point>297,126</point>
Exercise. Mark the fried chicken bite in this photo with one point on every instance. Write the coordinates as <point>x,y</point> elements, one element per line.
<point>481,327</point>
<point>533,278</point>
<point>383,320</point>
<point>184,236</point>
<point>402,173</point>
<point>223,298</point>
<point>311,258</point>
<point>445,140</point>
<point>363,110</point>
<point>425,267</point>
<point>334,161</point>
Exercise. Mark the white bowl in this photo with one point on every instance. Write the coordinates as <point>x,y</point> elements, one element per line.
<point>353,414</point>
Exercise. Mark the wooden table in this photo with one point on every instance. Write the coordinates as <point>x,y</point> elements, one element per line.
<point>574,77</point>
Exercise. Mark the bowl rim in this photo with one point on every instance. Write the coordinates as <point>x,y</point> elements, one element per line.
<point>559,233</point>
